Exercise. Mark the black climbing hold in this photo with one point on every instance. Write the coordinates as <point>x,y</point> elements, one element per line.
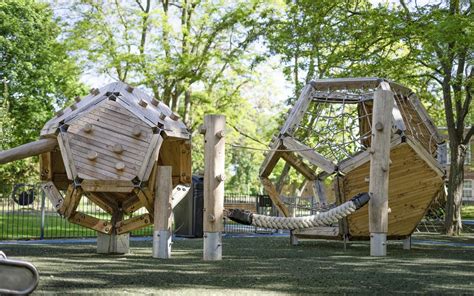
<point>361,199</point>
<point>240,216</point>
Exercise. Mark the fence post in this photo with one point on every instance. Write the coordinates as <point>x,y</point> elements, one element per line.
<point>214,176</point>
<point>43,198</point>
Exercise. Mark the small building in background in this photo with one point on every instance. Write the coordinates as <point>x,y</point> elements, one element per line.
<point>444,159</point>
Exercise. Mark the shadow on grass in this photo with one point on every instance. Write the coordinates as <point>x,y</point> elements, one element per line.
<point>253,265</point>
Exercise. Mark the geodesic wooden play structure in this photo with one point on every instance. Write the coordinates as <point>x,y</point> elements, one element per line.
<point>328,139</point>
<point>107,146</point>
<point>355,139</point>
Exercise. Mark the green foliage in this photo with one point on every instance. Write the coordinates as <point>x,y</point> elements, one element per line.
<point>37,77</point>
<point>173,48</point>
<point>195,56</point>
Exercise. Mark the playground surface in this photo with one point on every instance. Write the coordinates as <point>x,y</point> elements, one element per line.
<point>436,264</point>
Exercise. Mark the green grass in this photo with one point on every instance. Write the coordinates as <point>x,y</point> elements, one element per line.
<point>467,212</point>
<point>250,266</point>
<point>27,225</point>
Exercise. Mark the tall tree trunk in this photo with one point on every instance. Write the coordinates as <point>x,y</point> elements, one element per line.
<point>453,222</point>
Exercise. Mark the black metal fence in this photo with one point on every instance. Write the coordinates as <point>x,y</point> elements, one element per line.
<point>260,204</point>
<point>26,213</point>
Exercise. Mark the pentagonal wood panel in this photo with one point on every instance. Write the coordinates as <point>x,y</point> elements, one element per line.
<point>412,186</point>
<point>105,145</point>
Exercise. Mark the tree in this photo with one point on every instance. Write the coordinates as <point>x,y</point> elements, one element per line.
<point>441,38</point>
<point>171,47</point>
<point>36,75</point>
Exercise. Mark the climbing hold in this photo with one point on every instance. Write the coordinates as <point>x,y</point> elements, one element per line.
<point>137,131</point>
<point>88,128</point>
<point>92,155</point>
<point>120,166</point>
<point>143,103</point>
<point>117,148</point>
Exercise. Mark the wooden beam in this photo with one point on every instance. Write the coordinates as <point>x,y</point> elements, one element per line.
<point>346,83</point>
<point>133,223</point>
<point>66,154</point>
<point>131,205</point>
<point>73,202</point>
<point>92,196</point>
<point>66,201</point>
<point>397,120</point>
<point>28,150</point>
<point>46,166</point>
<point>331,231</point>
<point>426,156</point>
<point>151,157</point>
<point>297,112</point>
<point>185,163</point>
<point>338,97</point>
<point>420,109</point>
<point>144,200</point>
<point>53,194</point>
<point>379,171</point>
<point>91,222</point>
<point>299,165</point>
<point>321,191</point>
<point>107,186</point>
<point>271,159</point>
<point>274,196</point>
<point>309,154</point>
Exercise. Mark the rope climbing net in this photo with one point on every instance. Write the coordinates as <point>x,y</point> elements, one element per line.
<point>337,124</point>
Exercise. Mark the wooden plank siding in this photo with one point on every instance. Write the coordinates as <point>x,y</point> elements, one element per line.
<point>111,125</point>
<point>412,186</point>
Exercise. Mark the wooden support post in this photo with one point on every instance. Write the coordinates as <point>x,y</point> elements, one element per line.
<point>379,169</point>
<point>321,191</point>
<point>214,159</point>
<point>275,196</point>
<point>163,213</point>
<point>293,239</point>
<point>113,243</point>
<point>407,243</point>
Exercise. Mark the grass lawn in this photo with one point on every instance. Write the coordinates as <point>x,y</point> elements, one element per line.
<point>264,265</point>
<point>467,212</point>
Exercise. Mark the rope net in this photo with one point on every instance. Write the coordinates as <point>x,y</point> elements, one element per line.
<point>337,125</point>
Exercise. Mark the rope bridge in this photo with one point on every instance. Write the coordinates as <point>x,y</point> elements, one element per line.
<point>320,219</point>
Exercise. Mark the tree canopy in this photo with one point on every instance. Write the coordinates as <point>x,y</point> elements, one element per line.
<point>37,76</point>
